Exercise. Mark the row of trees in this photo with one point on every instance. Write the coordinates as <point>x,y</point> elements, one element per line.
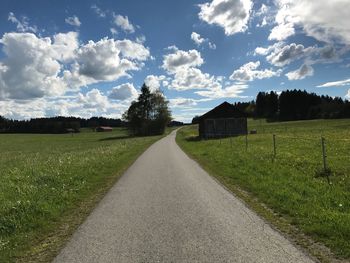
<point>292,105</point>
<point>299,105</point>
<point>55,124</point>
<point>148,115</point>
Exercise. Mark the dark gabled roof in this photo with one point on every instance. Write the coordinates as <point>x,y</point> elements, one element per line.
<point>224,110</point>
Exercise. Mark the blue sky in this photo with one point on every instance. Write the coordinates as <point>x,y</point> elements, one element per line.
<point>90,58</point>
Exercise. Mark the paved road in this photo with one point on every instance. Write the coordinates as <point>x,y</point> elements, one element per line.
<point>166,208</point>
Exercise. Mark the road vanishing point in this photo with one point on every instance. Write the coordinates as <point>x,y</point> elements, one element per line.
<point>166,208</point>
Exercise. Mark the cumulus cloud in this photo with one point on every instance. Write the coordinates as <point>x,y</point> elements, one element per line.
<point>124,23</point>
<point>285,55</point>
<point>280,54</point>
<point>301,73</point>
<point>73,21</point>
<point>23,24</point>
<point>98,11</point>
<point>338,83</point>
<point>31,68</point>
<point>324,20</point>
<point>182,102</point>
<point>93,103</point>
<point>154,82</point>
<point>231,15</point>
<point>193,78</point>
<point>124,91</point>
<point>183,66</point>
<point>198,40</point>
<point>182,60</point>
<point>249,72</point>
<point>107,60</point>
<point>231,91</point>
<point>35,67</point>
<point>132,50</point>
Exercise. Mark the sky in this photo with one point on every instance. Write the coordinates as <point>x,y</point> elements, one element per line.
<point>90,58</point>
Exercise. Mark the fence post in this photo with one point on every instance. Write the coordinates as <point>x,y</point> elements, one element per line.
<point>274,145</point>
<point>324,157</point>
<point>246,142</point>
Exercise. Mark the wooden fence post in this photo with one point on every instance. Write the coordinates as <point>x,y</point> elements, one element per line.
<point>324,158</point>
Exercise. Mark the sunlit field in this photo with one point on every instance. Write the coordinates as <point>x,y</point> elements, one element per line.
<point>292,182</point>
<point>48,183</point>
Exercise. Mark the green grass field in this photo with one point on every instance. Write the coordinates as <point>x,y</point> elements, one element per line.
<point>289,184</point>
<point>49,183</point>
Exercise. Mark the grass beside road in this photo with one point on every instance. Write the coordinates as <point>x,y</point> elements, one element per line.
<point>49,183</point>
<point>288,190</point>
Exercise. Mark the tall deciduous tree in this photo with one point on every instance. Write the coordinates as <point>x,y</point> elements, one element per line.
<point>148,115</point>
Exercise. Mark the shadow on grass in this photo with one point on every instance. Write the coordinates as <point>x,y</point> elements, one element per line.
<point>193,138</point>
<point>115,138</point>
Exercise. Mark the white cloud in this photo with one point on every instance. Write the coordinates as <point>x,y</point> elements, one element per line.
<point>197,38</point>
<point>231,91</point>
<point>212,45</point>
<point>73,21</point>
<point>182,60</point>
<point>124,91</point>
<point>124,23</point>
<point>109,59</point>
<point>231,15</point>
<point>93,99</point>
<point>182,102</point>
<point>339,83</point>
<point>31,68</point>
<point>98,11</point>
<point>93,103</point>
<point>113,31</point>
<point>35,67</point>
<point>285,55</point>
<point>323,19</point>
<point>23,24</point>
<point>193,78</point>
<point>132,50</point>
<point>183,66</point>
<point>154,82</point>
<point>249,72</point>
<point>301,73</point>
<point>282,32</point>
<point>65,46</point>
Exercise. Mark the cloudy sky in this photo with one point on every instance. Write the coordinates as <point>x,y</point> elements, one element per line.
<point>90,58</point>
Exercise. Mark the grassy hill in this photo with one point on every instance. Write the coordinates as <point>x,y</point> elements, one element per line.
<point>289,188</point>
<point>49,183</point>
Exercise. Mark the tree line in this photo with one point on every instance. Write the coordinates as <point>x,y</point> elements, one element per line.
<point>299,105</point>
<point>55,124</point>
<point>292,105</point>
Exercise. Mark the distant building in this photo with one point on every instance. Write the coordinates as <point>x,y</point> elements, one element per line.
<point>224,120</point>
<point>104,129</point>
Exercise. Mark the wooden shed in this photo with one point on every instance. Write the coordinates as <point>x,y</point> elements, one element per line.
<point>222,121</point>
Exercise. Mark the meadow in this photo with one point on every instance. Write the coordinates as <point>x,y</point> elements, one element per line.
<point>289,189</point>
<point>49,183</point>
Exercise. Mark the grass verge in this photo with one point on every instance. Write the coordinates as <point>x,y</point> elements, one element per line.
<point>50,183</point>
<point>286,189</point>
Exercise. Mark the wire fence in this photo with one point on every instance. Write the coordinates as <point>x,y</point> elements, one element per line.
<point>326,155</point>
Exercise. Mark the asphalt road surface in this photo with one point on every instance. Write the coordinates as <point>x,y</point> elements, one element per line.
<point>166,208</point>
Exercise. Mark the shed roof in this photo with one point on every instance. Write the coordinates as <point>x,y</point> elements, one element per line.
<point>224,110</point>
